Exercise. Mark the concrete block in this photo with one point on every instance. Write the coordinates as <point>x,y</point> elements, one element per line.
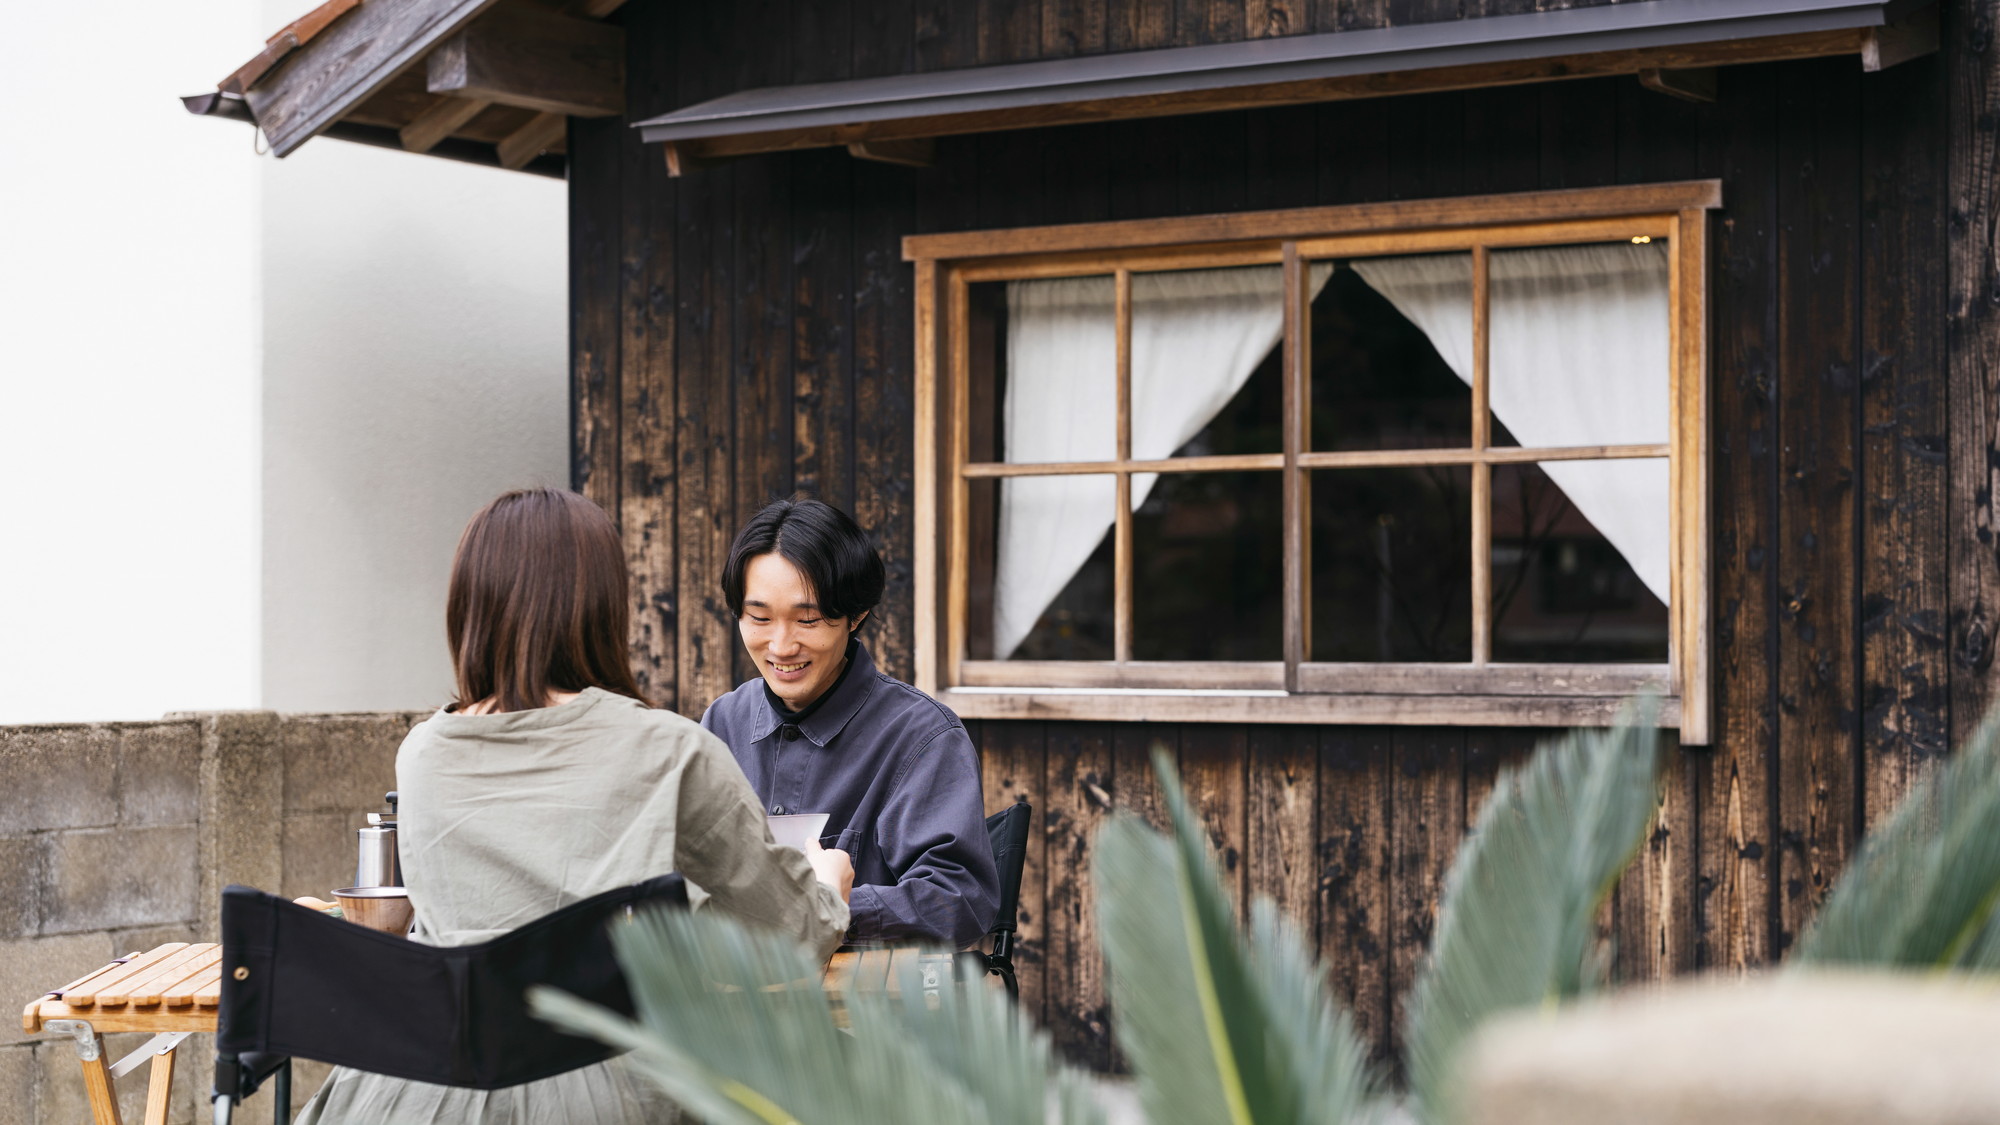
<point>152,937</point>
<point>1788,1050</point>
<point>18,1074</point>
<point>340,763</point>
<point>103,879</point>
<point>20,886</point>
<point>58,777</point>
<point>30,967</point>
<point>319,852</point>
<point>159,773</point>
<point>242,798</point>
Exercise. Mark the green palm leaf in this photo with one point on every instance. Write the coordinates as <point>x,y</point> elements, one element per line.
<point>1921,891</point>
<point>733,1025</point>
<point>1217,1029</point>
<point>1517,921</point>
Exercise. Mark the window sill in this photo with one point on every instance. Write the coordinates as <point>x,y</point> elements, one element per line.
<point>1195,705</point>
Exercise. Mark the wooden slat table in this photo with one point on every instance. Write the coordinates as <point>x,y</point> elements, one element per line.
<point>171,991</point>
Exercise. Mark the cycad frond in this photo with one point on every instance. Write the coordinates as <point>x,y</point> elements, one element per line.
<point>1214,1032</point>
<point>1517,920</point>
<point>734,1025</point>
<point>1920,893</point>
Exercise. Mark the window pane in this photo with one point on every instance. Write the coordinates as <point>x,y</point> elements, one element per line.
<point>1208,567</point>
<point>1580,562</point>
<point>1206,362</point>
<point>1386,336</point>
<point>1579,349</point>
<point>1039,567</point>
<point>1043,370</point>
<point>1392,564</point>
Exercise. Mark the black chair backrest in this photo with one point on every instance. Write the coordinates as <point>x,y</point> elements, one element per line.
<point>1008,830</point>
<point>296,982</point>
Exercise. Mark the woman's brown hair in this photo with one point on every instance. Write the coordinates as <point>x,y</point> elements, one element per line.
<point>538,602</point>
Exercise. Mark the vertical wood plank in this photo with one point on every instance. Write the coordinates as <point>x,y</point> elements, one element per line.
<point>1735,781</point>
<point>1137,24</point>
<point>1270,19</point>
<point>1428,789</point>
<point>1817,728</point>
<point>704,433</point>
<point>1072,27</point>
<point>1654,901</point>
<point>1905,576</point>
<point>1973,355</point>
<point>761,353</point>
<point>1138,791</point>
<point>824,458</point>
<point>1356,880</point>
<point>945,34</point>
<point>1009,31</point>
<point>1482,473</point>
<point>1080,784</point>
<point>1013,763</point>
<point>1580,133</point>
<point>1281,821</point>
<point>1214,763</point>
<point>647,291</point>
<point>595,216</point>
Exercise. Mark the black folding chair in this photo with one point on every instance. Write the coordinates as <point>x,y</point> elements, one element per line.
<point>1008,829</point>
<point>297,983</point>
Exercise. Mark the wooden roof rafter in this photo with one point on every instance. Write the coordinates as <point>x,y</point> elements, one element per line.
<point>1663,40</point>
<point>487,81</point>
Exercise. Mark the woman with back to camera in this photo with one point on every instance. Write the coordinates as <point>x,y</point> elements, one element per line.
<point>550,779</point>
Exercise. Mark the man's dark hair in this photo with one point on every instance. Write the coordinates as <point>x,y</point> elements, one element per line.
<point>824,543</point>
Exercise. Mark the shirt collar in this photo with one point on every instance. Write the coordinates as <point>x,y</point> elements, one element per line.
<point>824,718</point>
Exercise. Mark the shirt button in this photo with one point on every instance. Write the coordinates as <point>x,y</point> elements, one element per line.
<point>791,733</point>
<point>777,810</point>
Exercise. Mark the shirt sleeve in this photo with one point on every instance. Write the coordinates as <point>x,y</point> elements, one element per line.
<point>932,836</point>
<point>724,845</point>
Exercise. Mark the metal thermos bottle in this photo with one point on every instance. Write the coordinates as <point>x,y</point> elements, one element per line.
<point>377,865</point>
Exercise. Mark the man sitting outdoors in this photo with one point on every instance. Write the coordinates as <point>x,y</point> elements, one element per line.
<point>824,731</point>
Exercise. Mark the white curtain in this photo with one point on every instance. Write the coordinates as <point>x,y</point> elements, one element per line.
<point>1579,356</point>
<point>1196,337</point>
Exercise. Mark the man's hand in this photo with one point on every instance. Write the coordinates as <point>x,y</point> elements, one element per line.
<point>834,868</point>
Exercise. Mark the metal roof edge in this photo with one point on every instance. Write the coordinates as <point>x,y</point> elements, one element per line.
<point>1491,39</point>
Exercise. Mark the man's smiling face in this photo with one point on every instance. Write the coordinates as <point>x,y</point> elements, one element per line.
<point>798,650</point>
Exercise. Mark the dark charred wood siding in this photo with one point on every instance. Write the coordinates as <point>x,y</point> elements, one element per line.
<point>747,331</point>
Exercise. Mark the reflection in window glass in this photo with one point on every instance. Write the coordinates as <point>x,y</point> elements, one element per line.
<point>1378,381</point>
<point>1565,591</point>
<point>1391,564</point>
<point>1208,568</point>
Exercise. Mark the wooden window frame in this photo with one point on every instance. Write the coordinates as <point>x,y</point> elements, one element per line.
<point>1295,690</point>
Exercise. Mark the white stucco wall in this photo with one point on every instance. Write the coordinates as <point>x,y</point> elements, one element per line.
<point>415,365</point>
<point>128,364</point>
<point>245,404</point>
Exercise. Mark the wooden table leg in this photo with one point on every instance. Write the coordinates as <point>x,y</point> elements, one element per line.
<point>160,1088</point>
<point>97,1084</point>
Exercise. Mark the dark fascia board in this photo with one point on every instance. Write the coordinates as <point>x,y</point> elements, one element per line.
<point>1647,24</point>
<point>234,108</point>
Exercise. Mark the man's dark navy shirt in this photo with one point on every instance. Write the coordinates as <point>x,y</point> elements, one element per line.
<point>898,778</point>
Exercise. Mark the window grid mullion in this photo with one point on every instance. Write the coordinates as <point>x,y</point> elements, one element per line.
<point>1297,636</point>
<point>1121,553</point>
<point>1482,470</point>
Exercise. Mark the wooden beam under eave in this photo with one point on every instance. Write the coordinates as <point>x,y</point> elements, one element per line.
<point>531,140</point>
<point>918,152</point>
<point>1696,85</point>
<point>441,120</point>
<point>522,55</point>
<point>1911,37</point>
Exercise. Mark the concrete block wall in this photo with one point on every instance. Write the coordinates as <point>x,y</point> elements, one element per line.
<point>116,837</point>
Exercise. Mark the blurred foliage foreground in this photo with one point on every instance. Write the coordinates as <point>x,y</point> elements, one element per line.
<point>1220,1024</point>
